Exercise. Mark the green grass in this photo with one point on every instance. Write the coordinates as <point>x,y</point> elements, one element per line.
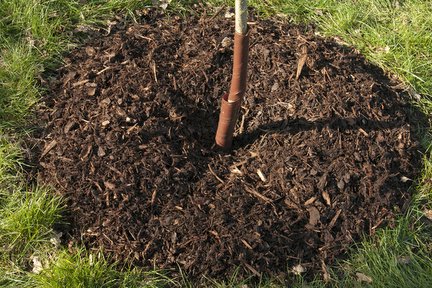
<point>93,270</point>
<point>396,35</point>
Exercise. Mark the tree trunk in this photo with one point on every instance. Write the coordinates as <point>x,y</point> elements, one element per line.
<point>231,102</point>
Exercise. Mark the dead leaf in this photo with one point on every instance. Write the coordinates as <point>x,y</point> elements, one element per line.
<point>37,265</point>
<point>161,3</point>
<point>428,214</point>
<point>314,216</point>
<point>55,240</point>
<point>404,260</point>
<point>298,269</point>
<point>226,42</point>
<point>301,61</point>
<point>363,278</point>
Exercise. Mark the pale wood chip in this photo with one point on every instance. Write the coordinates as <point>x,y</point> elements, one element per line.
<point>301,61</point>
<point>49,147</point>
<point>326,197</point>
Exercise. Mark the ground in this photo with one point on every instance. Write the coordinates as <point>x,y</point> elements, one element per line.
<point>324,153</point>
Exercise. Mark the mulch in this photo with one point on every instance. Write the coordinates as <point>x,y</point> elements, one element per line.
<point>319,159</point>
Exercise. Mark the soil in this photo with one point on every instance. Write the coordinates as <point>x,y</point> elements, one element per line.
<point>127,133</point>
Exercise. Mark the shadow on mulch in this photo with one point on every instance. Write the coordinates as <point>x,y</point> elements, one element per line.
<point>127,129</point>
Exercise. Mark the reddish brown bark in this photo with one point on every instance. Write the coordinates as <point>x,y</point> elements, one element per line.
<point>231,103</point>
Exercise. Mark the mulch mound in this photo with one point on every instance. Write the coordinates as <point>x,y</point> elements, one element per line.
<point>318,160</point>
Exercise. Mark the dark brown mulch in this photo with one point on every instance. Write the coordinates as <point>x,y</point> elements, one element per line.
<point>129,123</point>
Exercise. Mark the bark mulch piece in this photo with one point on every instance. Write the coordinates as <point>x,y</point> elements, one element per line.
<point>324,151</point>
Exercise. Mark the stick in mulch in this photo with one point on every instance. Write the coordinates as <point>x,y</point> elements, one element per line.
<point>231,102</point>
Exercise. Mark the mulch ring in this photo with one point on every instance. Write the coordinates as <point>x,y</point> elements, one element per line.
<point>318,160</point>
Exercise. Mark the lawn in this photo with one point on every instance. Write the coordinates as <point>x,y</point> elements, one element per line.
<point>395,35</point>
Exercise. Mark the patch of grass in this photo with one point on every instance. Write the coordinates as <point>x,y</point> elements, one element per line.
<point>18,92</point>
<point>93,270</point>
<point>394,34</point>
<point>26,221</point>
<point>395,257</point>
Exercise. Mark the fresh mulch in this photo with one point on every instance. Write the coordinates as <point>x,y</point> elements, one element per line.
<point>127,133</point>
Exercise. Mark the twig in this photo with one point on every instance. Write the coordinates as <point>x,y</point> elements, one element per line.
<point>217,13</point>
<point>257,194</point>
<point>214,174</point>
<point>153,197</point>
<point>154,71</point>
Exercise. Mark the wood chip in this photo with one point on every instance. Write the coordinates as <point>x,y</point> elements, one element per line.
<point>109,185</point>
<point>334,219</point>
<point>310,201</point>
<point>363,132</point>
<point>326,197</point>
<point>326,274</point>
<point>91,91</point>
<point>214,174</point>
<point>48,148</point>
<point>261,175</point>
<point>79,83</point>
<point>253,270</point>
<point>153,197</point>
<point>246,244</point>
<point>257,194</point>
<point>314,216</point>
<point>302,60</point>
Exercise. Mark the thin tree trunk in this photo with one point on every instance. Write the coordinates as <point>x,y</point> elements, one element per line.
<point>231,102</point>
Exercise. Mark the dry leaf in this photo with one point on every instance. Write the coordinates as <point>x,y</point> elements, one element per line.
<point>363,278</point>
<point>161,3</point>
<point>226,42</point>
<point>428,214</point>
<point>37,265</point>
<point>55,240</point>
<point>404,260</point>
<point>298,269</point>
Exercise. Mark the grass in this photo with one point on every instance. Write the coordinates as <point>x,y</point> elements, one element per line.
<point>395,35</point>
